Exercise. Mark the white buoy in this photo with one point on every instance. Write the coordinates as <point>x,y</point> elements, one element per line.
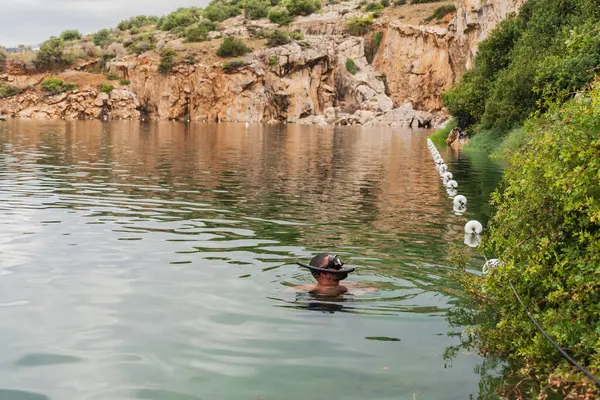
<point>247,124</point>
<point>451,192</point>
<point>490,265</point>
<point>443,169</point>
<point>447,177</point>
<point>452,184</point>
<point>460,204</point>
<point>472,240</point>
<point>460,200</point>
<point>473,227</point>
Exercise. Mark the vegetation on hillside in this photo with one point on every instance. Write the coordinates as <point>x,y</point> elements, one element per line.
<point>545,54</point>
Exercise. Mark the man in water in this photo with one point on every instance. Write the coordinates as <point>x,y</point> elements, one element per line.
<point>329,270</point>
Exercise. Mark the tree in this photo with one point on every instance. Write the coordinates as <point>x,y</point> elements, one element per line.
<point>302,7</point>
<point>232,47</point>
<point>102,38</point>
<point>280,16</point>
<point>51,55</point>
<point>69,35</point>
<point>256,9</point>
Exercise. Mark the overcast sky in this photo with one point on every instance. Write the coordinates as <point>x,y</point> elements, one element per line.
<point>33,21</point>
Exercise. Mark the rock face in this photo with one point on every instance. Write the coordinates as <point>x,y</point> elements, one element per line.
<point>84,104</point>
<point>417,64</point>
<point>305,81</point>
<point>474,21</point>
<point>286,83</point>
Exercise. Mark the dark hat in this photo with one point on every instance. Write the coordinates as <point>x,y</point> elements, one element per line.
<point>326,262</point>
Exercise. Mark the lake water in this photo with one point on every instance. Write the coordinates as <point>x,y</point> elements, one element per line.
<point>157,261</point>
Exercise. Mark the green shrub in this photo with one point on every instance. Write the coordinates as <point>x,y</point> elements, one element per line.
<point>102,38</point>
<point>514,142</point>
<point>278,38</point>
<point>280,16</point>
<point>166,61</point>
<point>232,47</point>
<point>424,1</point>
<point>221,10</point>
<point>441,12</point>
<point>199,31</point>
<point>302,7</point>
<point>182,17</point>
<point>370,7</point>
<point>273,62</point>
<point>69,35</point>
<point>51,55</point>
<point>124,82</point>
<point>441,135</point>
<point>137,22</point>
<point>7,90</point>
<point>55,86</point>
<point>546,232</point>
<point>358,26</point>
<point>256,9</point>
<point>385,3</point>
<point>399,3</point>
<point>297,35</point>
<point>351,66</point>
<point>372,46</point>
<point>233,65</point>
<point>106,88</point>
<point>112,77</point>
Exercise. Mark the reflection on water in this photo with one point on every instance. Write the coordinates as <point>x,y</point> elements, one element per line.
<point>157,262</point>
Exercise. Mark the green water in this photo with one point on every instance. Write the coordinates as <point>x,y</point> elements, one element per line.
<point>158,262</point>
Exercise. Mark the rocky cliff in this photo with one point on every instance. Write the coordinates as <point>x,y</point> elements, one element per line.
<point>305,81</point>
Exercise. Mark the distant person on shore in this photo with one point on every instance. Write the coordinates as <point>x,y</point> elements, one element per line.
<point>329,271</point>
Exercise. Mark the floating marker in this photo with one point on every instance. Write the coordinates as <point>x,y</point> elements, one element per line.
<point>452,184</point>
<point>473,227</point>
<point>490,265</point>
<point>472,240</point>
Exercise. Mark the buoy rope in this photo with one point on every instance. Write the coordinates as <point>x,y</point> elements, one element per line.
<point>556,346</point>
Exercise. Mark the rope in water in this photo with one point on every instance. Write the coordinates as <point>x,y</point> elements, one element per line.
<point>556,346</point>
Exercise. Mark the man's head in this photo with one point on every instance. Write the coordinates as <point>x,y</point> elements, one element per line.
<point>324,262</point>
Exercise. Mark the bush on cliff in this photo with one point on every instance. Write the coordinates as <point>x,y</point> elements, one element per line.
<point>547,52</point>
<point>220,10</point>
<point>358,26</point>
<point>280,16</point>
<point>107,88</point>
<point>137,22</point>
<point>70,35</point>
<point>102,38</point>
<point>302,7</point>
<point>55,86</point>
<point>256,9</point>
<point>52,55</point>
<point>199,31</point>
<point>351,66</point>
<point>166,61</point>
<point>372,45</point>
<point>232,47</point>
<point>441,12</point>
<point>182,17</point>
<point>7,90</point>
<point>278,38</point>
<point>546,233</point>
<point>373,7</point>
